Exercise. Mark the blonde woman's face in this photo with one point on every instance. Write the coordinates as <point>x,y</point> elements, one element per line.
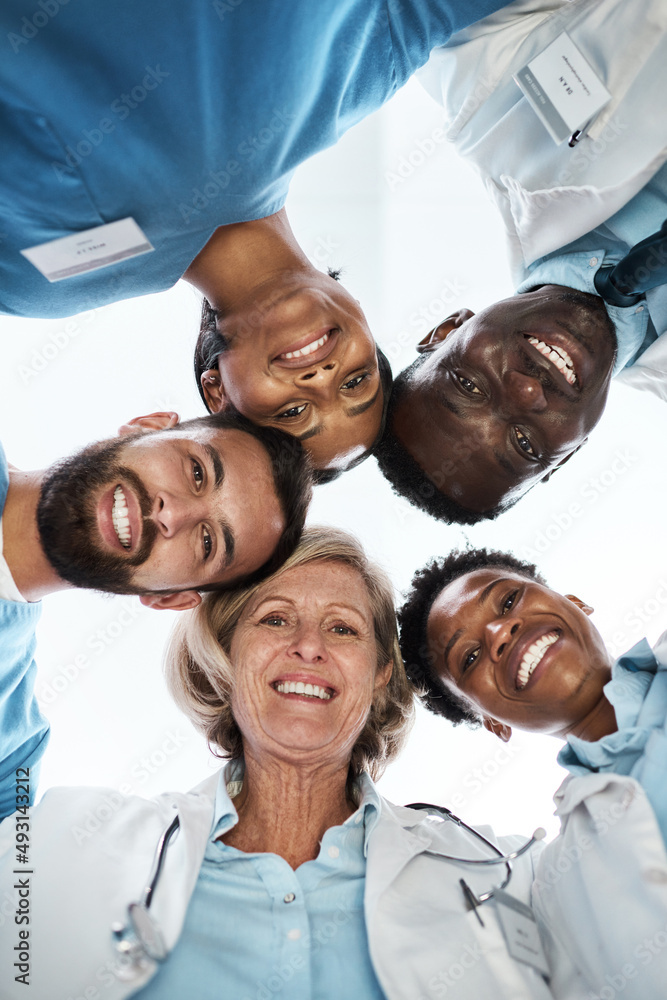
<point>304,656</point>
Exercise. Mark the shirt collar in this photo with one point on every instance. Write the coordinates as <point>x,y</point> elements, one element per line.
<point>230,782</point>
<point>577,270</point>
<point>369,806</point>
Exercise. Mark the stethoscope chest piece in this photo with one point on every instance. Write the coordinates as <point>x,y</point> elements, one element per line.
<point>147,932</point>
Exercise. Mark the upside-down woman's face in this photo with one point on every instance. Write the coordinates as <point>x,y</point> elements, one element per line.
<point>303,361</point>
<point>305,661</point>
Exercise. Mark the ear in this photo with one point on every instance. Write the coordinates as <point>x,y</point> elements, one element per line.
<point>151,422</point>
<point>545,479</point>
<point>383,675</point>
<point>182,601</point>
<point>586,608</point>
<point>433,339</point>
<point>499,729</point>
<point>214,391</point>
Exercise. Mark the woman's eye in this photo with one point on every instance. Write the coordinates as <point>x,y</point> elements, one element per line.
<point>509,601</point>
<point>469,659</point>
<point>273,620</point>
<point>343,630</point>
<point>524,443</point>
<point>197,473</point>
<point>468,385</point>
<point>354,382</point>
<point>208,543</point>
<point>294,411</point>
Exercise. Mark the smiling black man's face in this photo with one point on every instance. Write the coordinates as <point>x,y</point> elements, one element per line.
<point>508,394</point>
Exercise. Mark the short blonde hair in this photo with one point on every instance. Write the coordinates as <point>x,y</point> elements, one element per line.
<point>200,673</point>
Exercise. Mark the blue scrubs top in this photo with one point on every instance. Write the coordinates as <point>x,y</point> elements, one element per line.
<point>24,732</point>
<point>184,116</point>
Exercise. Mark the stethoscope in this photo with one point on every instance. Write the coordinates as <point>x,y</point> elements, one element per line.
<point>140,937</point>
<point>473,902</point>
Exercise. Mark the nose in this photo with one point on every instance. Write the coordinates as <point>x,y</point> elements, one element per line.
<point>171,513</point>
<point>525,392</point>
<point>308,644</point>
<point>498,633</point>
<point>318,376</point>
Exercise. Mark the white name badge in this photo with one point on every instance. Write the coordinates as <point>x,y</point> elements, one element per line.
<point>89,250</point>
<point>521,934</point>
<point>563,88</point>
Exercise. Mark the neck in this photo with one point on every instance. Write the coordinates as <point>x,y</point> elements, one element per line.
<point>599,722</point>
<point>241,260</point>
<point>21,545</point>
<point>286,810</point>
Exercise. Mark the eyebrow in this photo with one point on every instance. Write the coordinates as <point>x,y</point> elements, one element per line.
<point>216,462</point>
<point>489,587</point>
<point>356,411</point>
<point>230,544</point>
<point>457,635</point>
<point>480,600</point>
<point>319,429</point>
<point>227,533</point>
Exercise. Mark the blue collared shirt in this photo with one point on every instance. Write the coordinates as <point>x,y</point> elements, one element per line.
<point>255,929</point>
<point>638,692</point>
<point>576,265</point>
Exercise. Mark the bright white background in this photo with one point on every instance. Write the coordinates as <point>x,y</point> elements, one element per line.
<point>421,237</point>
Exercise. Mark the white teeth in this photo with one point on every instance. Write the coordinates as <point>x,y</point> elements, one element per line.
<point>558,357</point>
<point>308,349</point>
<point>120,519</point>
<point>532,657</point>
<point>298,687</point>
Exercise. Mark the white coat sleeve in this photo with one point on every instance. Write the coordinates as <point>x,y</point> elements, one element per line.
<point>600,895</point>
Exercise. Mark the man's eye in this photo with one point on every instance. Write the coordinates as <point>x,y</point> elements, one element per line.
<point>294,411</point>
<point>197,473</point>
<point>509,601</point>
<point>208,543</point>
<point>524,443</point>
<point>469,659</point>
<point>357,380</point>
<point>468,385</point>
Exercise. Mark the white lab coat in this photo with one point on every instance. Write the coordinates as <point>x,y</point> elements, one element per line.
<point>600,895</point>
<point>550,195</point>
<point>92,849</point>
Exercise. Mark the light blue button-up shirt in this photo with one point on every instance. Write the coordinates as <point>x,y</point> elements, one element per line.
<point>576,265</point>
<point>638,692</point>
<point>255,929</point>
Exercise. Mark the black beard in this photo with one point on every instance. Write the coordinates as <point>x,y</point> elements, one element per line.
<point>67,520</point>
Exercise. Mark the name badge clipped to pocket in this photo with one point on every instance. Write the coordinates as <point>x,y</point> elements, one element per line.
<point>520,930</point>
<point>89,250</point>
<point>563,88</point>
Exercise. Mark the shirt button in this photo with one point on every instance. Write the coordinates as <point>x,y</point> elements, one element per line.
<point>639,309</point>
<point>592,262</point>
<point>289,898</point>
<point>294,934</point>
<point>333,852</point>
<point>358,819</point>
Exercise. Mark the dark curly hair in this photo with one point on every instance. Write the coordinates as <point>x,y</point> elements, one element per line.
<point>407,478</point>
<point>427,584</point>
<point>211,344</point>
